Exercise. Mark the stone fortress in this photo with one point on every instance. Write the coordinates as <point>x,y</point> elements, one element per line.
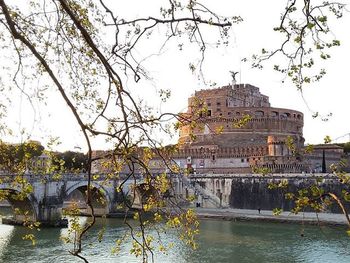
<point>260,142</point>
<point>220,143</point>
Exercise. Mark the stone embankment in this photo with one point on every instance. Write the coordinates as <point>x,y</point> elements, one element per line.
<point>310,218</point>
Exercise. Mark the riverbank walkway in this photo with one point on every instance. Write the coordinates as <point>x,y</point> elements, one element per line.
<point>310,218</point>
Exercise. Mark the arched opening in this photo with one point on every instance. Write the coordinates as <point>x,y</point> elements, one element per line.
<point>16,207</point>
<point>75,201</point>
<point>143,194</point>
<point>259,113</point>
<point>286,115</point>
<point>274,114</point>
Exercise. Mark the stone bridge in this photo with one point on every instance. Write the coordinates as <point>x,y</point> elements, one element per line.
<point>50,195</point>
<point>245,191</point>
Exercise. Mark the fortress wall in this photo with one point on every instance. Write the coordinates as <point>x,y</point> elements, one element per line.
<point>254,193</point>
<point>232,152</point>
<point>251,192</point>
<point>256,125</point>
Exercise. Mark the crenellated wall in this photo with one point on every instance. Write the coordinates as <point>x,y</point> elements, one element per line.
<point>207,152</point>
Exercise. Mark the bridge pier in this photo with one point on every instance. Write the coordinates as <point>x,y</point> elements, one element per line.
<point>51,215</point>
<point>47,212</point>
<point>48,217</point>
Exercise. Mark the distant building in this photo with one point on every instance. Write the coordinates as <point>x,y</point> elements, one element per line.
<point>322,157</point>
<point>223,145</point>
<point>40,164</point>
<point>14,157</point>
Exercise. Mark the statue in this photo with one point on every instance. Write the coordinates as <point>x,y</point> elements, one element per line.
<point>233,75</point>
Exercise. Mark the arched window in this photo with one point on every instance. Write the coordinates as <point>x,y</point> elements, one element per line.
<point>274,114</point>
<point>259,113</point>
<point>284,116</point>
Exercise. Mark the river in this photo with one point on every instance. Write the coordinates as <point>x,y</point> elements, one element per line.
<point>219,241</point>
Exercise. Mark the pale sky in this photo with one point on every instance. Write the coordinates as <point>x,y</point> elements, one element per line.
<point>171,71</point>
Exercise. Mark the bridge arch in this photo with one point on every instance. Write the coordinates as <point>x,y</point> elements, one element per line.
<point>98,190</point>
<point>21,203</point>
<point>140,194</point>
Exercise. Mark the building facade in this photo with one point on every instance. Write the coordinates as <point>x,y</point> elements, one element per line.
<point>237,131</point>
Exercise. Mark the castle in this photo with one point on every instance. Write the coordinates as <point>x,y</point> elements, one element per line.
<point>234,129</point>
<point>223,144</point>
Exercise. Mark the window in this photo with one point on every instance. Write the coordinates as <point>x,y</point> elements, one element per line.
<point>274,114</point>
<point>218,109</point>
<point>242,160</point>
<point>259,113</point>
<point>209,113</point>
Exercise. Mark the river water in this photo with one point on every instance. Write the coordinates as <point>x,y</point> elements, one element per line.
<point>219,241</point>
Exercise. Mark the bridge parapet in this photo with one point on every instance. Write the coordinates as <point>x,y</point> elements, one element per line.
<point>68,177</point>
<point>272,176</point>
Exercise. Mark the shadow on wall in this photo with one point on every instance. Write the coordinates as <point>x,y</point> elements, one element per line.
<point>255,194</point>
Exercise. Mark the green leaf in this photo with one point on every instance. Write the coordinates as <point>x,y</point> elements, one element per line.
<point>310,25</point>
<point>322,19</point>
<point>277,211</point>
<point>327,139</point>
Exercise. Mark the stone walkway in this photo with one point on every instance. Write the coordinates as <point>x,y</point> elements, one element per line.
<point>267,216</point>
